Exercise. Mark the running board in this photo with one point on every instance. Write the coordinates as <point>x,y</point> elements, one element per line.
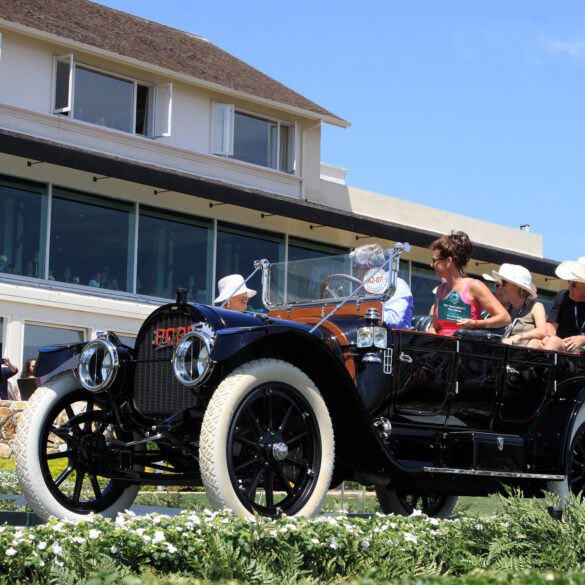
<point>487,473</point>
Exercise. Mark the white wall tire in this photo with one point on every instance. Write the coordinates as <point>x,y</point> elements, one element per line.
<point>393,502</point>
<point>36,444</point>
<point>266,444</point>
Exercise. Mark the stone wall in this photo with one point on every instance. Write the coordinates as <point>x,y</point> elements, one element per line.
<point>10,411</point>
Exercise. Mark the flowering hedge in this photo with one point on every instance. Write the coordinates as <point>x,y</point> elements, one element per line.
<point>217,546</point>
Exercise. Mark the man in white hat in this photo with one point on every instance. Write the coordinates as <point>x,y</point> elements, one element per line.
<point>566,320</point>
<point>233,289</point>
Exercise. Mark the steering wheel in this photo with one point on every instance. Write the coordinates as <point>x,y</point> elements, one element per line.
<point>325,286</point>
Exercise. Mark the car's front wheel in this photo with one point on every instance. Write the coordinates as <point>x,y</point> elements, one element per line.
<point>395,502</point>
<point>60,437</point>
<point>266,442</point>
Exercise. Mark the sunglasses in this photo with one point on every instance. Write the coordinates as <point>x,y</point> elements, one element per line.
<point>435,260</point>
<point>501,284</point>
<point>574,284</point>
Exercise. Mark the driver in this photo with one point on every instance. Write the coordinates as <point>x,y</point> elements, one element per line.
<point>397,310</point>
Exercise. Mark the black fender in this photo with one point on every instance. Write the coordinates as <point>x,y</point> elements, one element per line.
<point>358,445</point>
<point>52,357</point>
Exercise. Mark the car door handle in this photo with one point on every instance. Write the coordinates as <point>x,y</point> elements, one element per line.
<point>511,370</point>
<point>404,357</point>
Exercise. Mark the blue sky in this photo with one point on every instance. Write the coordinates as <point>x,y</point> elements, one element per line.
<point>473,107</point>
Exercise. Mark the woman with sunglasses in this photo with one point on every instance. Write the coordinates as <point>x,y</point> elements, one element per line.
<point>460,300</point>
<point>566,320</point>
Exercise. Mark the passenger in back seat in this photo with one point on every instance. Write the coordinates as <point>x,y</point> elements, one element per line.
<point>460,300</point>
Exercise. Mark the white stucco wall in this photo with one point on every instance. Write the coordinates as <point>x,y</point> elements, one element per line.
<point>26,98</point>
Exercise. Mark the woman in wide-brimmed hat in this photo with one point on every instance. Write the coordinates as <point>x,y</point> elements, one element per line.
<point>566,320</point>
<point>528,325</point>
<point>233,289</point>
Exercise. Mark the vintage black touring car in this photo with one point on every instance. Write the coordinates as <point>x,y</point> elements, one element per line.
<point>268,411</point>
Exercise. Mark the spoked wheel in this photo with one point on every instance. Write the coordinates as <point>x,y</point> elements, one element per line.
<point>62,441</point>
<point>267,442</point>
<point>396,502</point>
<point>576,463</point>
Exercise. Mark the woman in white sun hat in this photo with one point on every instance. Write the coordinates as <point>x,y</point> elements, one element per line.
<point>233,289</point>
<point>528,325</point>
<point>566,320</point>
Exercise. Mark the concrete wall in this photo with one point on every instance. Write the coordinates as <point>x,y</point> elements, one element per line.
<point>423,217</point>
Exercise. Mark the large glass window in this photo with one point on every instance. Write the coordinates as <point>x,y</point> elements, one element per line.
<point>238,247</point>
<point>299,249</point>
<point>91,241</point>
<point>174,251</point>
<point>23,211</point>
<point>423,281</point>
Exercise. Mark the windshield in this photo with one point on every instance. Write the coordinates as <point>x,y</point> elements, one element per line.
<point>327,278</point>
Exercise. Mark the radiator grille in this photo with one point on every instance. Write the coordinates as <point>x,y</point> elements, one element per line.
<point>157,393</point>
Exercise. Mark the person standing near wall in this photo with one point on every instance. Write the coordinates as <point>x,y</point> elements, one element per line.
<point>7,370</point>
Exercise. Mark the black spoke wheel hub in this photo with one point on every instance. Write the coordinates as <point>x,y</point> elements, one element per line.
<point>274,450</point>
<point>73,450</point>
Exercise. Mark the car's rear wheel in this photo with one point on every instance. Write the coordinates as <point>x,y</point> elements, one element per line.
<point>396,502</point>
<point>59,438</point>
<point>266,442</point>
<point>575,462</point>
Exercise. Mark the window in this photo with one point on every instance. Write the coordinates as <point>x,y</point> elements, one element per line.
<point>174,251</point>
<point>299,249</point>
<point>36,336</point>
<point>103,229</point>
<point>104,99</point>
<point>238,247</point>
<point>252,139</point>
<point>422,283</point>
<point>23,210</point>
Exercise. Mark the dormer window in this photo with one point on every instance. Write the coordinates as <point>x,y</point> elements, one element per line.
<point>101,98</point>
<point>252,139</point>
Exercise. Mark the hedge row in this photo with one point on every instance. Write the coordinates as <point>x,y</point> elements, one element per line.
<point>330,549</point>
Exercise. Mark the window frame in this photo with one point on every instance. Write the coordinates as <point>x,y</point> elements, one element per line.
<point>225,146</point>
<point>158,115</point>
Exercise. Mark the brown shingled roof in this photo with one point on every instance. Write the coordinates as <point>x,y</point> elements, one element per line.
<point>130,36</point>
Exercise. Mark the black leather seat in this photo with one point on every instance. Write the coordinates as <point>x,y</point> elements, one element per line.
<point>422,322</point>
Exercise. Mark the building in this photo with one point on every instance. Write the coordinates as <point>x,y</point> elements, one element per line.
<point>136,158</point>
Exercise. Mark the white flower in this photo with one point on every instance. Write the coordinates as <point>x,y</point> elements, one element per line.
<point>333,544</point>
<point>114,549</point>
<point>434,521</point>
<point>93,533</point>
<point>416,513</point>
<point>42,545</point>
<point>171,548</point>
<point>409,537</point>
<point>80,539</point>
<point>140,531</point>
<point>365,544</point>
<point>315,540</point>
<point>10,552</point>
<point>158,536</point>
<point>57,549</point>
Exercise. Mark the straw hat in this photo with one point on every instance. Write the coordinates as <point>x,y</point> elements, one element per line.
<point>230,285</point>
<point>517,275</point>
<point>572,270</point>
